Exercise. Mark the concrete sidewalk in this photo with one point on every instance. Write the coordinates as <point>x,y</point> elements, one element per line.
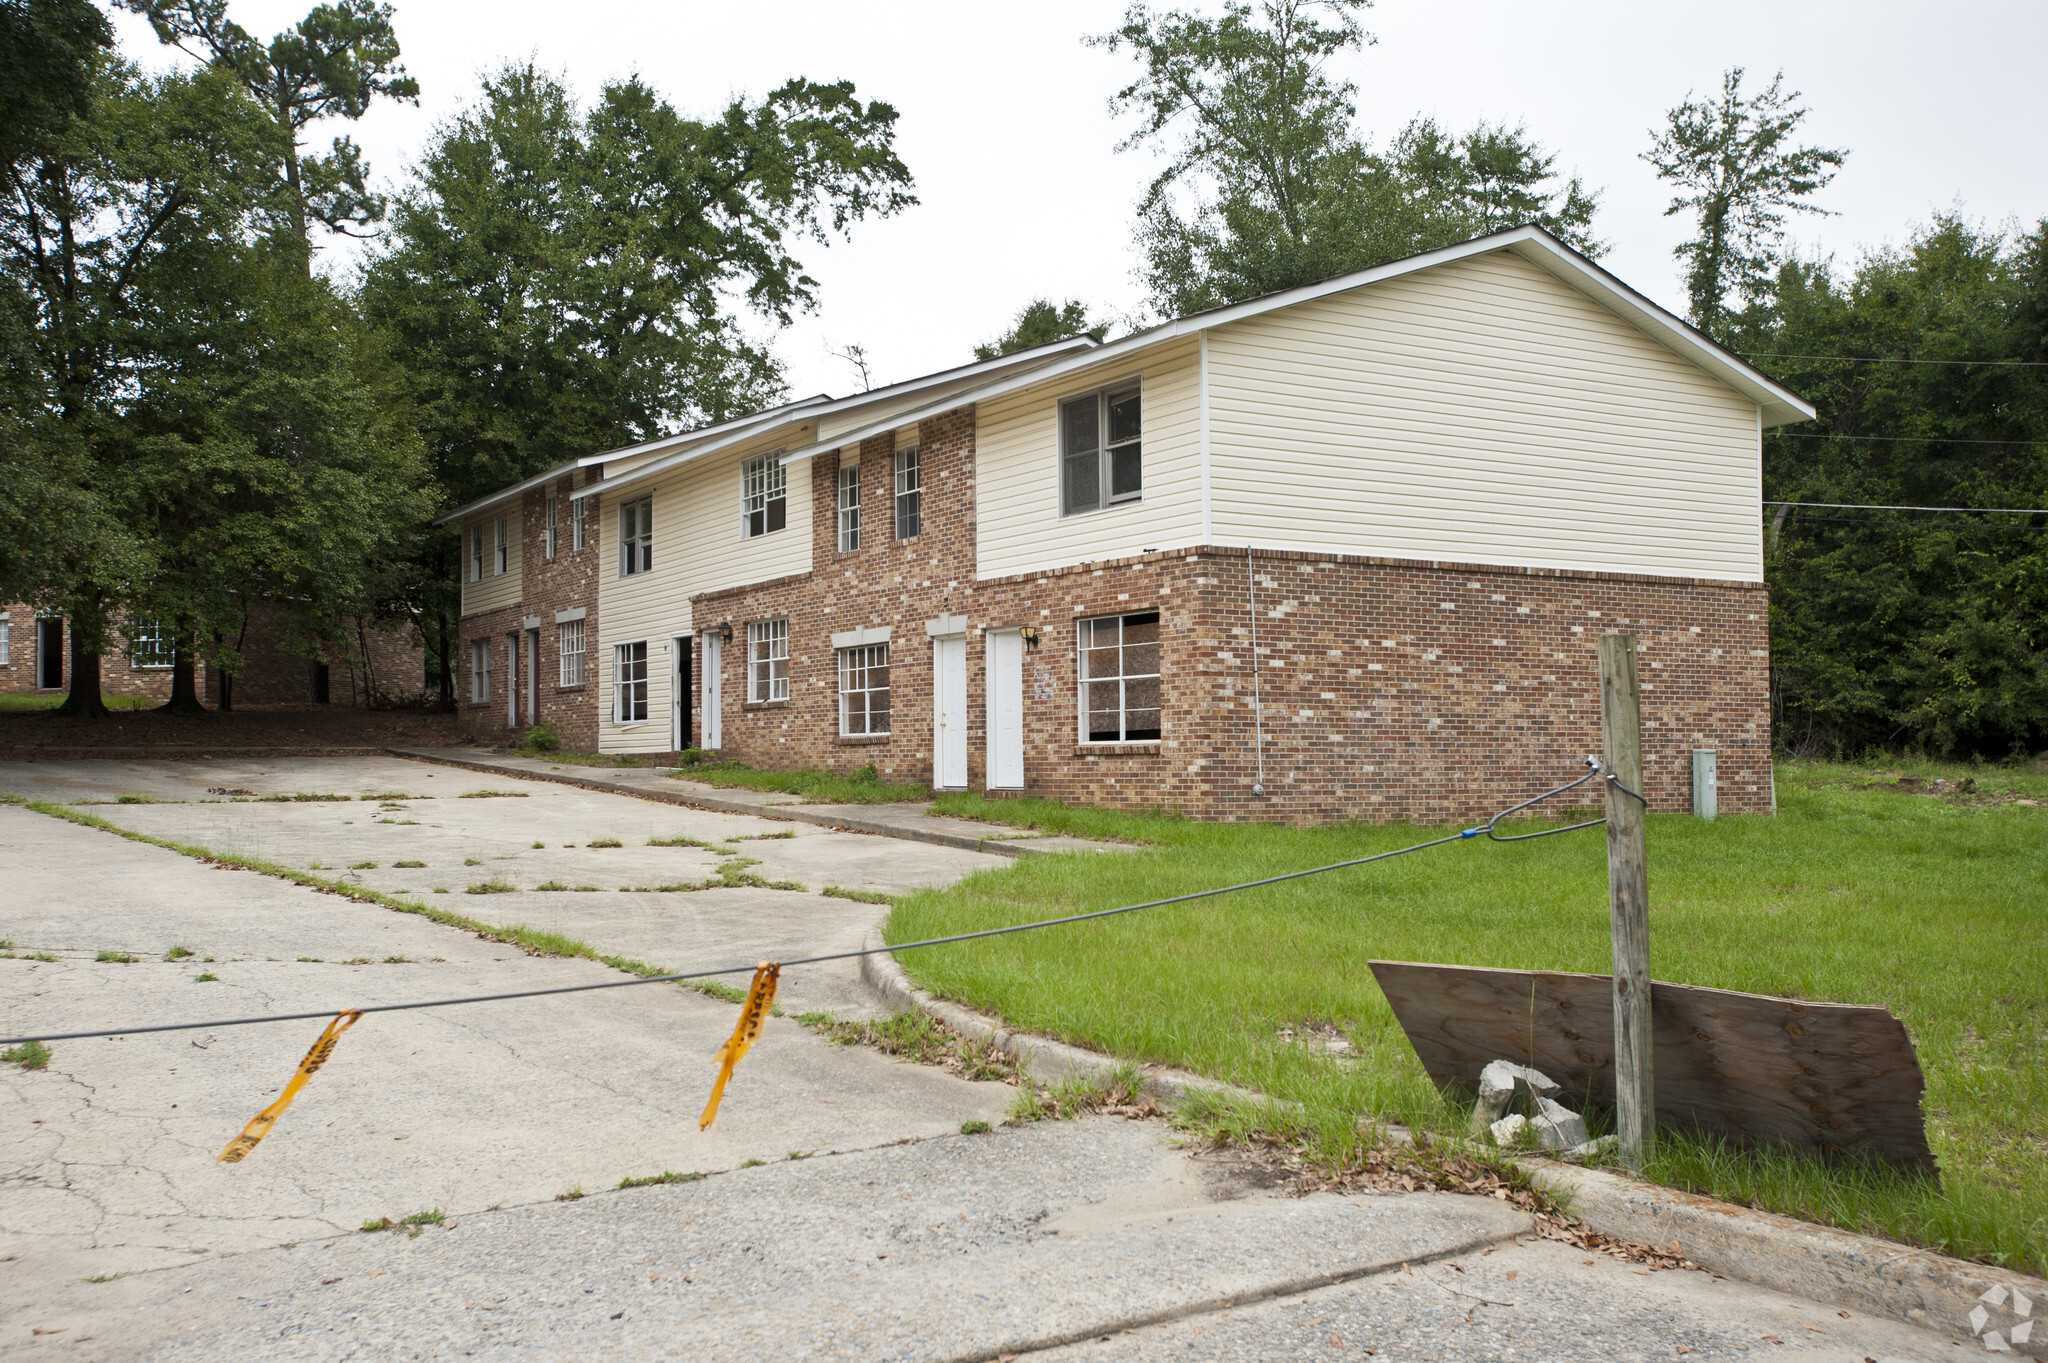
<point>911,820</point>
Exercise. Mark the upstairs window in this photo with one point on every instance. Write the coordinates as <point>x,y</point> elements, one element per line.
<point>864,691</point>
<point>1101,451</point>
<point>1119,671</point>
<point>502,559</point>
<point>577,511</point>
<point>909,492</point>
<point>571,649</point>
<point>849,508</point>
<point>636,537</point>
<point>764,495</point>
<point>476,553</point>
<point>150,645</point>
<point>547,530</point>
<point>768,660</point>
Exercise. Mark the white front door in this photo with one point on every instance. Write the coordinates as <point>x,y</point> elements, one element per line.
<point>1006,710</point>
<point>512,680</point>
<point>714,725</point>
<point>533,676</point>
<point>949,695</point>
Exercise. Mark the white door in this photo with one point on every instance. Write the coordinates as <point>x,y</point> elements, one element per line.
<point>533,676</point>
<point>1006,710</point>
<point>950,700</point>
<point>714,724</point>
<point>512,680</point>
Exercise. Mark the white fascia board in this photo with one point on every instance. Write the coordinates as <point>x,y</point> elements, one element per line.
<point>1031,360</point>
<point>508,494</point>
<point>686,438</point>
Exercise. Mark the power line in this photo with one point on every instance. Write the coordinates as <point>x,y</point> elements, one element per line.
<point>1889,359</point>
<point>1932,439</point>
<point>1866,506</point>
<point>1918,525</point>
<point>1463,835</point>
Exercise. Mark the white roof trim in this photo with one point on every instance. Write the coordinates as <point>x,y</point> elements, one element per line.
<point>1033,359</point>
<point>1778,405</point>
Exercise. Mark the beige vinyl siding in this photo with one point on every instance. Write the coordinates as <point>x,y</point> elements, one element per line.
<point>494,590</point>
<point>1018,526</point>
<point>698,547</point>
<point>1481,411</point>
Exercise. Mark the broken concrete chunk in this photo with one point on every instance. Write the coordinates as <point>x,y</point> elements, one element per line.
<point>1600,1146</point>
<point>1556,1127</point>
<point>1497,1083</point>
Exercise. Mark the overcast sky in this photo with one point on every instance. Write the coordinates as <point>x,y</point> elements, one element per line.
<point>1006,128</point>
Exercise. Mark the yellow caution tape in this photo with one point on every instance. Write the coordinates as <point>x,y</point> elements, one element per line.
<point>260,1125</point>
<point>744,1033</point>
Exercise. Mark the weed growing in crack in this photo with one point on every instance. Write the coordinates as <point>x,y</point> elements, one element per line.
<point>398,960</point>
<point>312,960</point>
<point>495,885</point>
<point>684,840</point>
<point>604,842</point>
<point>573,1194</point>
<point>472,861</point>
<point>861,896</point>
<point>1117,1091</point>
<point>118,957</point>
<point>975,1128</point>
<point>362,866</point>
<point>409,865</point>
<point>177,953</point>
<point>666,1176</point>
<point>920,1039</point>
<point>539,846</point>
<point>492,795</point>
<point>208,978</point>
<point>752,1163</point>
<point>359,960</point>
<point>762,837</point>
<point>30,1055</point>
<point>551,885</point>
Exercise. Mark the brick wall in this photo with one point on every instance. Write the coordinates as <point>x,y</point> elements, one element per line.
<point>118,676</point>
<point>1389,689</point>
<point>546,586</point>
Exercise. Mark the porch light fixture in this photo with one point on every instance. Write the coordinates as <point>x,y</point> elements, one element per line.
<point>1030,633</point>
<point>724,632</point>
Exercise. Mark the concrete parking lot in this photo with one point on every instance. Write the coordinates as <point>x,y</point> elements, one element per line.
<point>844,1213</point>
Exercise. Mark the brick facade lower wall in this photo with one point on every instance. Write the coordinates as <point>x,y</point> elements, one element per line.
<point>548,585</point>
<point>118,676</point>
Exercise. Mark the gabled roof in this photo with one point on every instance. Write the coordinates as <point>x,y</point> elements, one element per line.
<point>1779,405</point>
<point>693,446</point>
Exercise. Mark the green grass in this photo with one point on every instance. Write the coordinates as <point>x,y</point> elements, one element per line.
<point>208,978</point>
<point>117,957</point>
<point>492,795</point>
<point>655,1180</point>
<point>859,896</point>
<point>600,842</point>
<point>1933,907</point>
<point>495,885</point>
<point>19,701</point>
<point>30,1055</point>
<point>177,953</point>
<point>824,787</point>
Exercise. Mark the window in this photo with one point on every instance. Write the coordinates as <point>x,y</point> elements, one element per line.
<point>768,660</point>
<point>150,644</point>
<point>1101,461</point>
<point>629,683</point>
<point>503,559</point>
<point>1120,679</point>
<point>908,492</point>
<point>577,511</point>
<point>864,690</point>
<point>3,643</point>
<point>570,645</point>
<point>849,508</point>
<point>764,495</point>
<point>476,553</point>
<point>480,665</point>
<point>547,531</point>
<point>636,537</point>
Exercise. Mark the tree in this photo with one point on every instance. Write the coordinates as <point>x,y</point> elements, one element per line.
<point>560,282</point>
<point>1269,186</point>
<point>332,64</point>
<point>1041,322</point>
<point>1897,629</point>
<point>1737,170</point>
<point>49,50</point>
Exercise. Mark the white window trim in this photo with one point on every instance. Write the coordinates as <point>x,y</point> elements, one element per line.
<point>5,656</point>
<point>548,538</point>
<point>501,553</point>
<point>762,683</point>
<point>849,513</point>
<point>479,671</point>
<point>1082,680</point>
<point>1133,384</point>
<point>476,552</point>
<point>773,476</point>
<point>565,632</point>
<point>154,630</point>
<point>619,684</point>
<point>632,564</point>
<point>578,512</point>
<point>909,460</point>
<point>847,664</point>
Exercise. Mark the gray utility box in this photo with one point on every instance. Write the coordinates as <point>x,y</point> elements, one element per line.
<point>1703,782</point>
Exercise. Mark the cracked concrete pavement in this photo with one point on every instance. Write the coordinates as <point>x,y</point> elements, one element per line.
<point>869,1228</point>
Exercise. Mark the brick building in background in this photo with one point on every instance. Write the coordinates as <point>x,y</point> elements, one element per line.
<point>1426,490</point>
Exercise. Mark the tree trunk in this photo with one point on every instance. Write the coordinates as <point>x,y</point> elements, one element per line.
<point>447,653</point>
<point>84,699</point>
<point>184,683</point>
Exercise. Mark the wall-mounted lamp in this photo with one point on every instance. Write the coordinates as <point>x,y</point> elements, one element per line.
<point>724,632</point>
<point>1030,633</point>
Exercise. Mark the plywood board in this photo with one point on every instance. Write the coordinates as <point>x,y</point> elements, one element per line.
<point>1752,1067</point>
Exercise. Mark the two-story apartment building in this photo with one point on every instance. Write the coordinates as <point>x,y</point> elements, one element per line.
<point>1343,551</point>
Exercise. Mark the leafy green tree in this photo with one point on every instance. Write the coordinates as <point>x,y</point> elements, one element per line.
<point>1909,629</point>
<point>1737,170</point>
<point>49,50</point>
<point>1041,322</point>
<point>332,64</point>
<point>1268,185</point>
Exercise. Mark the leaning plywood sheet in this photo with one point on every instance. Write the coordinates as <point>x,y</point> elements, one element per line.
<point>1751,1067</point>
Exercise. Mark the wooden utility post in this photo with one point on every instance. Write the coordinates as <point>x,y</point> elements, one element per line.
<point>1628,892</point>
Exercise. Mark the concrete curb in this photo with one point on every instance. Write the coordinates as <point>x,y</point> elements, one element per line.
<point>1819,1263</point>
<point>1002,847</point>
<point>1046,1061</point>
<point>186,753</point>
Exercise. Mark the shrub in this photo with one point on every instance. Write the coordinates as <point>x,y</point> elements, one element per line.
<point>541,738</point>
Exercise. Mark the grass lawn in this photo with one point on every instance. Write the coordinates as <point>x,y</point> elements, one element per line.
<point>50,700</point>
<point>824,787</point>
<point>1930,905</point>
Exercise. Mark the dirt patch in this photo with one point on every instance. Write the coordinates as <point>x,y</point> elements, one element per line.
<point>280,728</point>
<point>1963,792</point>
